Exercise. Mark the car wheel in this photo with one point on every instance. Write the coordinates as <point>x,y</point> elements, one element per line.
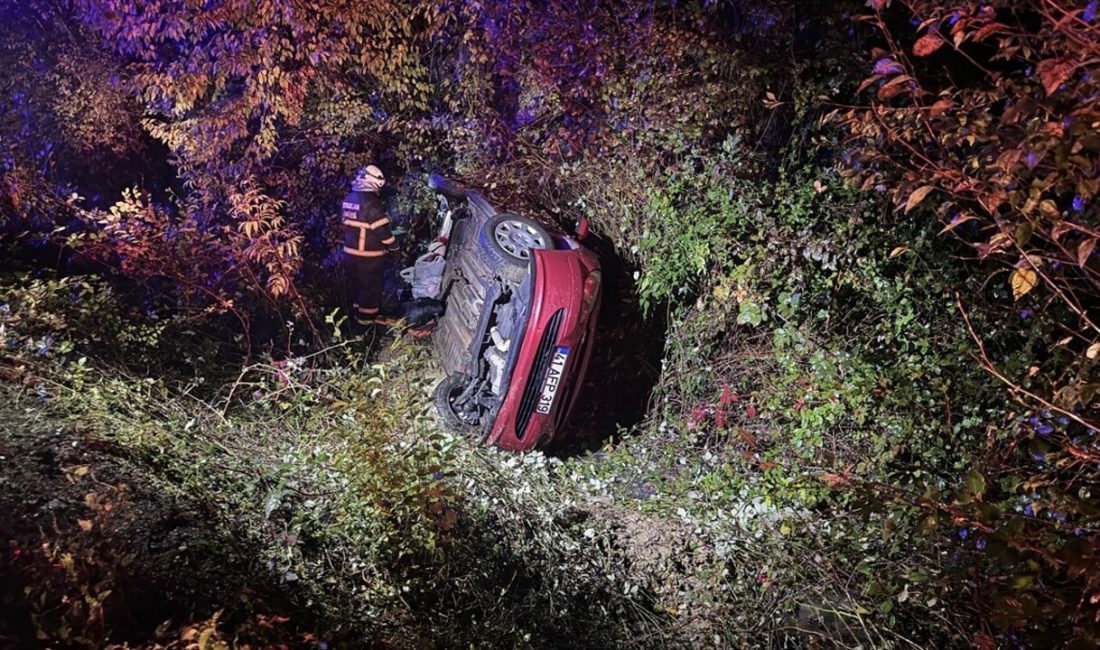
<point>449,390</point>
<point>507,241</point>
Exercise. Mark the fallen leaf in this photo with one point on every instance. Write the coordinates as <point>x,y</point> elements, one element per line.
<point>832,480</point>
<point>85,524</point>
<point>746,437</point>
<point>75,473</point>
<point>898,251</point>
<point>1093,350</point>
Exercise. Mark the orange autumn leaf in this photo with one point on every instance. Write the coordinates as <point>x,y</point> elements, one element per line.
<point>927,44</point>
<point>1053,73</point>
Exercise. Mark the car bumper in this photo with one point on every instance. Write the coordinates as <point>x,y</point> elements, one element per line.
<point>553,356</point>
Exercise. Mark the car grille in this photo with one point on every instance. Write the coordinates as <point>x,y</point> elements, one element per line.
<point>538,373</point>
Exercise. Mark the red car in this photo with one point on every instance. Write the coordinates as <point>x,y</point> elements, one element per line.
<point>517,333</point>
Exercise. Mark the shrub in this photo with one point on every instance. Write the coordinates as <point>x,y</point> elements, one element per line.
<point>981,122</point>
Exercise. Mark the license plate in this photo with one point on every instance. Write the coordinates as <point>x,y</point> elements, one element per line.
<point>553,380</point>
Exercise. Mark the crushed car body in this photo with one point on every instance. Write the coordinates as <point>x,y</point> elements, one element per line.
<point>517,332</point>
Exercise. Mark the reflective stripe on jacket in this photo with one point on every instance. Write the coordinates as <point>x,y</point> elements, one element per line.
<point>366,228</point>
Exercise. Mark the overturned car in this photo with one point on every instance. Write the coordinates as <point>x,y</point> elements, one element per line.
<point>517,332</point>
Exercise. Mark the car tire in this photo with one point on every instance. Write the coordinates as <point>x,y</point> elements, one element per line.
<point>445,393</point>
<point>507,241</point>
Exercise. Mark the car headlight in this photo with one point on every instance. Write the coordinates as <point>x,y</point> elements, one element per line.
<point>590,293</point>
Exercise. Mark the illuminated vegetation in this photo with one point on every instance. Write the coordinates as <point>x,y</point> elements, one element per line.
<point>858,237</point>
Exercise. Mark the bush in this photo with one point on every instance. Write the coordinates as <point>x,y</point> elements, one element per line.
<point>866,418</point>
<point>980,125</point>
<point>322,481</point>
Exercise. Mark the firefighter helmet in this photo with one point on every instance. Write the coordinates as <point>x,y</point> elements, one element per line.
<point>369,179</point>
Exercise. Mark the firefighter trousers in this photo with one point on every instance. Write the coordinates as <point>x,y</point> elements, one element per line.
<point>366,279</point>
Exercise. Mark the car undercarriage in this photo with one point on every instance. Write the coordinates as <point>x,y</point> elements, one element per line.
<point>495,302</point>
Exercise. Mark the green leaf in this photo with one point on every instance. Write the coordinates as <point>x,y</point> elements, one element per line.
<point>975,483</point>
<point>1024,231</point>
<point>1023,581</point>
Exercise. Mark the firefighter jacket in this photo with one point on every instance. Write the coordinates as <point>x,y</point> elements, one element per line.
<point>366,228</point>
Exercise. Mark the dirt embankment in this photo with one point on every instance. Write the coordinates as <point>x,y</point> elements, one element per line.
<point>97,554</point>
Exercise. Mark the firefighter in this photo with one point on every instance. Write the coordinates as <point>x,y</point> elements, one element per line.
<point>367,242</point>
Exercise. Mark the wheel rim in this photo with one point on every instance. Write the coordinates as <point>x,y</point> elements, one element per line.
<point>517,238</point>
<point>452,397</point>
